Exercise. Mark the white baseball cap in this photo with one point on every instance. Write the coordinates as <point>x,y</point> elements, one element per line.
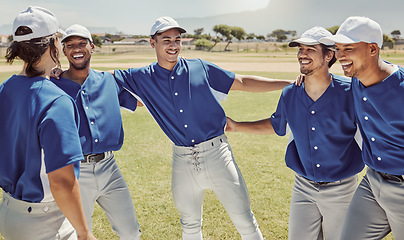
<point>41,21</point>
<point>163,24</point>
<point>357,29</point>
<point>77,30</point>
<point>311,37</point>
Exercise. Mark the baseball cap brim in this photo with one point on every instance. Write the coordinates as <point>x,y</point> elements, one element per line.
<point>83,35</point>
<point>171,27</point>
<point>338,38</point>
<point>304,41</point>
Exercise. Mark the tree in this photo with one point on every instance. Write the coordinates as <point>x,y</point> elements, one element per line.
<point>333,29</point>
<point>396,34</point>
<point>203,44</point>
<point>260,37</point>
<point>250,36</point>
<point>198,31</point>
<point>228,33</point>
<point>387,41</point>
<point>224,31</point>
<point>97,40</point>
<point>280,34</point>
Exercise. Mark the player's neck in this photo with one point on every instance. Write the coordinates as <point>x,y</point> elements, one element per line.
<point>169,65</point>
<point>77,76</point>
<point>316,84</point>
<point>376,73</point>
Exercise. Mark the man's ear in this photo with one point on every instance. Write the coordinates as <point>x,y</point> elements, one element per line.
<point>152,42</point>
<point>374,49</point>
<point>330,54</point>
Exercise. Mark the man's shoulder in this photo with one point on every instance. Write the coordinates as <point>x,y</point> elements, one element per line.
<point>341,79</point>
<point>291,89</point>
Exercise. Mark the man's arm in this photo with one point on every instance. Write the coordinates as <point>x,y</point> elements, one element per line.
<point>138,103</point>
<point>261,127</point>
<point>65,189</point>
<point>258,84</point>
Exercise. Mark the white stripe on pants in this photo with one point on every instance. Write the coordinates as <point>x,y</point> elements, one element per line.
<point>210,165</point>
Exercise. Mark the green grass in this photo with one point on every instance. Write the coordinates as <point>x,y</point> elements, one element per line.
<point>145,161</point>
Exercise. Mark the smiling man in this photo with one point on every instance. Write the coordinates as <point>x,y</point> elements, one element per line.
<point>98,100</point>
<point>183,97</point>
<point>322,149</point>
<point>378,89</point>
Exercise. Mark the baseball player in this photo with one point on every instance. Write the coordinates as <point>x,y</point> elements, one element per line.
<point>98,98</point>
<point>183,97</point>
<point>322,149</point>
<point>377,206</point>
<point>39,144</point>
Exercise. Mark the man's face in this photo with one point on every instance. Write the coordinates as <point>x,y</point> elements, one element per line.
<point>78,51</point>
<point>168,46</point>
<point>353,58</point>
<point>311,58</point>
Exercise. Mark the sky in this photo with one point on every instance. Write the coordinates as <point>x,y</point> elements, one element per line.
<point>127,16</point>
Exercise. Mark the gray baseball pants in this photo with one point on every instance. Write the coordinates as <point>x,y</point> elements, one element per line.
<point>103,183</point>
<point>377,209</point>
<point>210,165</point>
<point>42,221</point>
<point>317,211</point>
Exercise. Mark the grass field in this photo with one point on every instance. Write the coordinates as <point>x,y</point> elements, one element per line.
<point>145,158</point>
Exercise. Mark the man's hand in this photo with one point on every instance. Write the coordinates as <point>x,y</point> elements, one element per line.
<point>56,72</point>
<point>300,79</point>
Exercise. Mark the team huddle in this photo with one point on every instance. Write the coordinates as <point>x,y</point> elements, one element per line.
<point>60,128</point>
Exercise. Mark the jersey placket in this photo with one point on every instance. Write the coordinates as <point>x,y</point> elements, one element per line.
<point>91,118</point>
<point>180,96</point>
<point>313,139</point>
<point>367,123</point>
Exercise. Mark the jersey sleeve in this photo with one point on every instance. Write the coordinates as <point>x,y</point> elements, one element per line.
<point>58,134</point>
<point>278,119</point>
<point>219,79</point>
<point>126,89</point>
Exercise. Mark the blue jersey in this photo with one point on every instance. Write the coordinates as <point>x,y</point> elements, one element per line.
<point>380,110</point>
<point>323,148</point>
<point>184,101</point>
<point>100,117</point>
<point>38,129</point>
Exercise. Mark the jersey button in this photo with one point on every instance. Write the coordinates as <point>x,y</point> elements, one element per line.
<point>185,126</point>
<point>318,165</point>
<point>373,139</point>
<point>364,99</point>
<point>176,94</point>
<point>87,108</point>
<point>193,140</point>
<point>172,77</point>
<point>366,118</point>
<point>83,92</point>
<point>181,110</point>
<point>313,112</point>
<point>313,129</point>
<point>92,123</point>
<point>315,147</point>
<point>379,158</point>
<point>96,140</point>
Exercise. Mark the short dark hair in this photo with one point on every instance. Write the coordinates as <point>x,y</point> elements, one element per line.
<point>325,49</point>
<point>155,36</point>
<point>32,50</point>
